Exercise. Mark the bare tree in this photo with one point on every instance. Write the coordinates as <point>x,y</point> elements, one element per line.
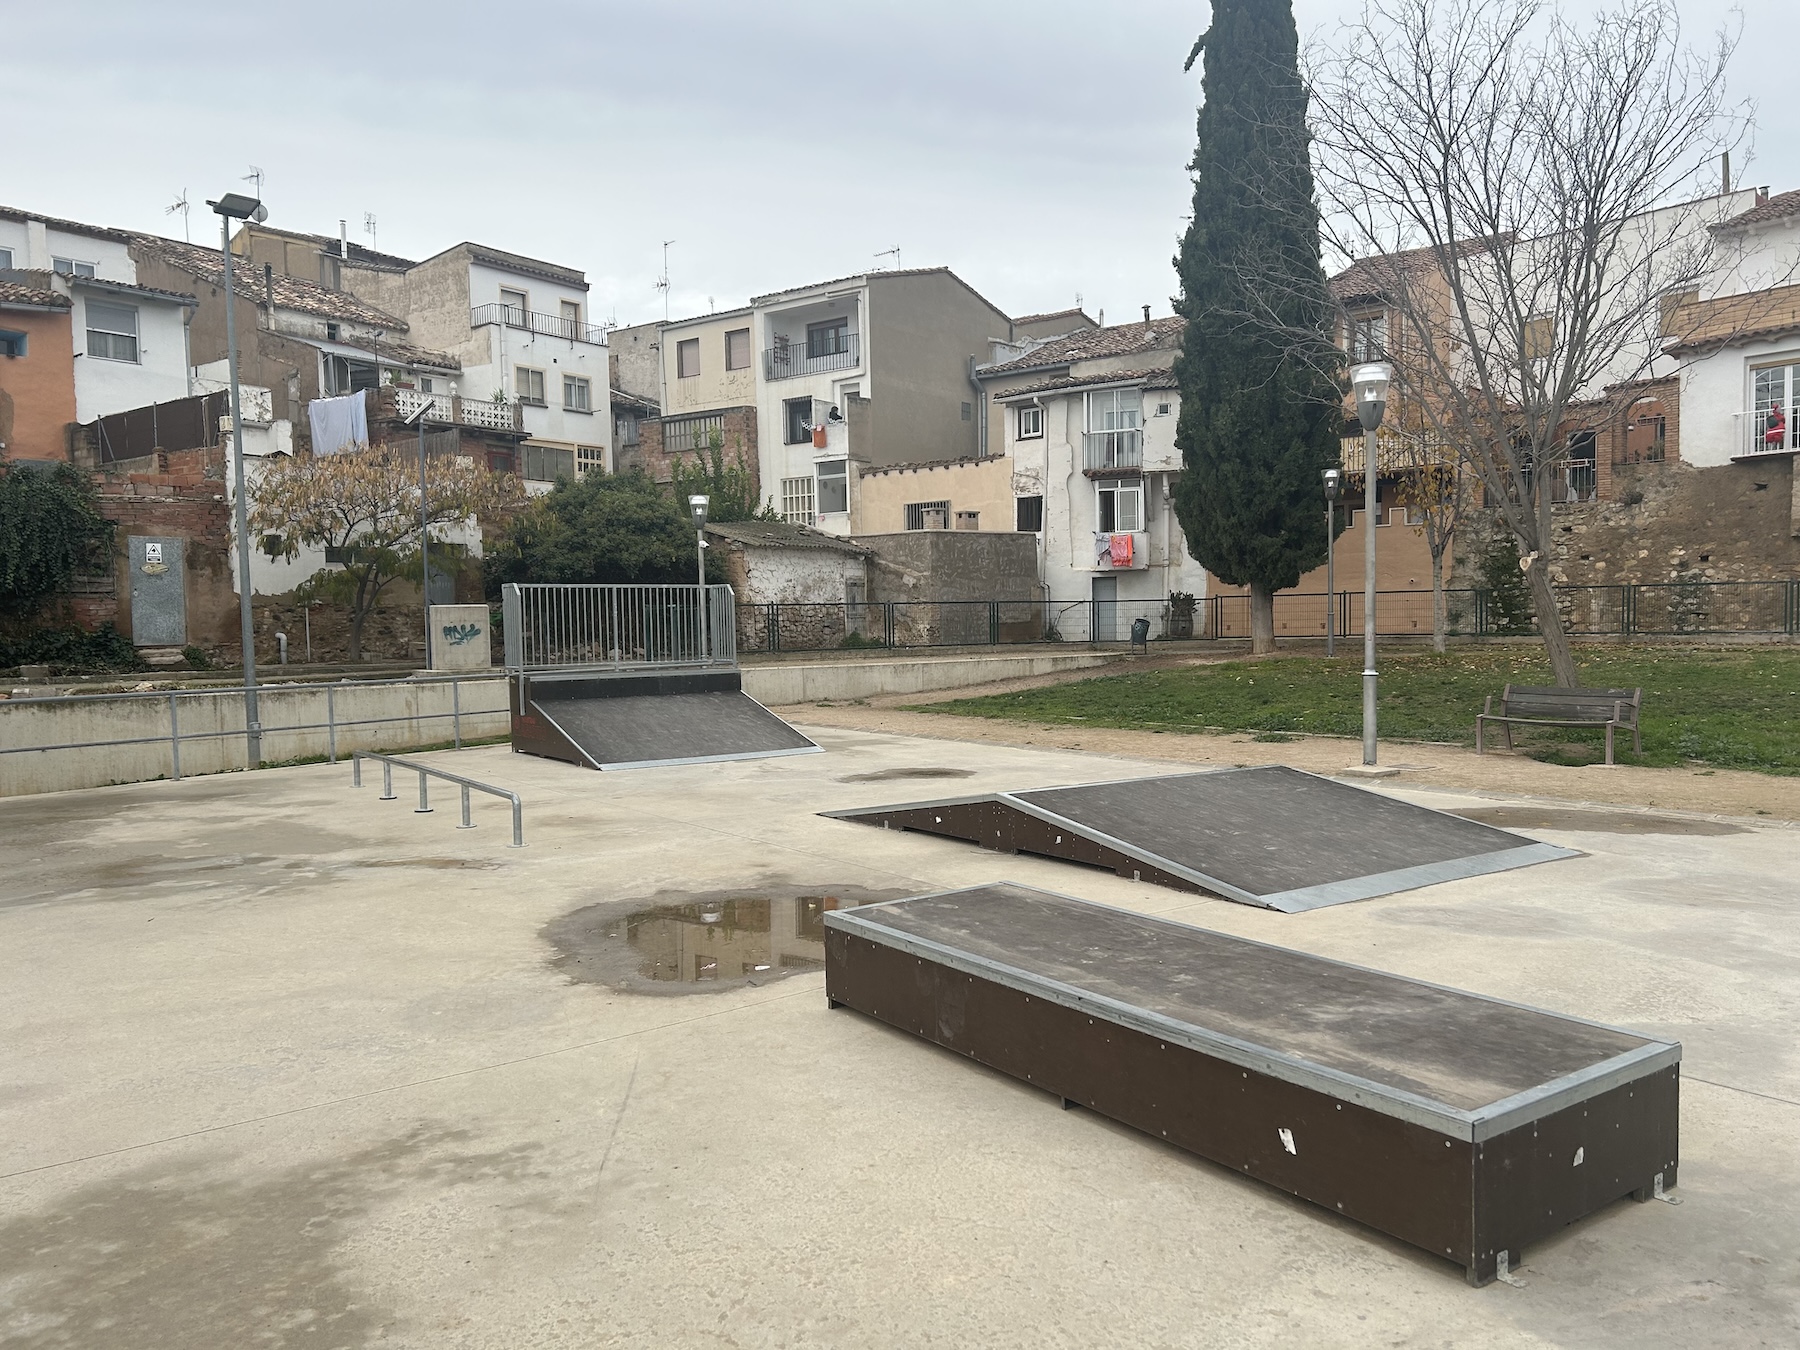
<point>1523,195</point>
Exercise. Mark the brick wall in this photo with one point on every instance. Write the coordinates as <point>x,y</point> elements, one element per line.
<point>37,390</point>
<point>739,428</point>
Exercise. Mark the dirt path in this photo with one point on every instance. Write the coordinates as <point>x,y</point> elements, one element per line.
<point>1726,792</point>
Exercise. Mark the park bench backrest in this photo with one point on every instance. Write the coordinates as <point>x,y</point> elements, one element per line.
<point>1550,703</point>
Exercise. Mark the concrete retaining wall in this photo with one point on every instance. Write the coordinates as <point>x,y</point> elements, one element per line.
<point>776,685</point>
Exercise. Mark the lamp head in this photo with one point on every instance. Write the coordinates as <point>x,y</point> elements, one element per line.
<point>1334,484</point>
<point>1371,385</point>
<point>239,207</point>
<point>697,504</point>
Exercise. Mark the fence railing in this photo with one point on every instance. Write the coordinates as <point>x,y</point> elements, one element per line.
<point>1766,431</point>
<point>550,628</point>
<point>550,325</point>
<point>47,744</point>
<point>1674,609</point>
<point>453,409</point>
<point>800,357</point>
<point>1112,449</point>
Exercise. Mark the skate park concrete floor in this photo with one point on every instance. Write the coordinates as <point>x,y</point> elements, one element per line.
<point>285,1065</point>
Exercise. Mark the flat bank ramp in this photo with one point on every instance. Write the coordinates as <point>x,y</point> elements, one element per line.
<point>634,722</point>
<point>1274,837</point>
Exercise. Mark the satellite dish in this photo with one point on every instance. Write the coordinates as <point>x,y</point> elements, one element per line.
<point>260,214</point>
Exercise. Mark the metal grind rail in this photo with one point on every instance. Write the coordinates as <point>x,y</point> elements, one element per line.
<point>468,785</point>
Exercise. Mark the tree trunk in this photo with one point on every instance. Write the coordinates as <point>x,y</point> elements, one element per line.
<point>356,627</point>
<point>1440,610</point>
<point>1262,619</point>
<point>1550,624</point>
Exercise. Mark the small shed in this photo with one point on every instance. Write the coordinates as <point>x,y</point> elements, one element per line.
<point>797,588</point>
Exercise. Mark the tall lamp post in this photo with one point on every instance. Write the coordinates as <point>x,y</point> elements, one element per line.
<point>698,504</point>
<point>1334,488</point>
<point>236,206</point>
<point>1371,384</point>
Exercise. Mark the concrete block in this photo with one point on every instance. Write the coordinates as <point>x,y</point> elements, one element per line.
<point>460,638</point>
<point>34,673</point>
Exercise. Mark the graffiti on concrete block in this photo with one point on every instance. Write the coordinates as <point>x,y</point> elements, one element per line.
<point>456,634</point>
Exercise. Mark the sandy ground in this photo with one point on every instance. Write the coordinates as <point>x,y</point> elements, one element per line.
<point>1723,792</point>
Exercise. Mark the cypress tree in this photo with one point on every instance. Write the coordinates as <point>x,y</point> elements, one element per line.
<point>1260,410</point>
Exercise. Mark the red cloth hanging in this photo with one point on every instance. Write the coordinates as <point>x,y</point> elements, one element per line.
<point>1120,548</point>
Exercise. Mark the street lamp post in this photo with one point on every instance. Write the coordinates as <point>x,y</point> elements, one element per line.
<point>1334,488</point>
<point>417,418</point>
<point>236,206</point>
<point>697,504</point>
<point>1371,384</point>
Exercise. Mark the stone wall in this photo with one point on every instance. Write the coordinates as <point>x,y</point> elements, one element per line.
<point>739,428</point>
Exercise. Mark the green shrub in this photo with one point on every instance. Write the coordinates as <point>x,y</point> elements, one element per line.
<point>70,650</point>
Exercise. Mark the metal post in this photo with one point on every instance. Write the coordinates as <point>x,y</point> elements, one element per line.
<point>1369,676</point>
<point>246,622</point>
<point>387,781</point>
<point>424,806</point>
<point>700,566</point>
<point>467,824</point>
<point>456,716</point>
<point>424,543</point>
<point>1330,580</point>
<point>518,822</point>
<point>174,742</point>
<point>331,724</point>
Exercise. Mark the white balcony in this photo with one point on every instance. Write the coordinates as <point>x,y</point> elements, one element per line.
<point>1102,451</point>
<point>1764,431</point>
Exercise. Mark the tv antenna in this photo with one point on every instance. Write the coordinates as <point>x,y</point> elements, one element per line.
<point>894,253</point>
<point>369,228</point>
<point>255,176</point>
<point>181,205</point>
<point>662,282</point>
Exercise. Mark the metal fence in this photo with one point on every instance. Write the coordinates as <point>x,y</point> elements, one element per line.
<point>617,627</point>
<point>1673,609</point>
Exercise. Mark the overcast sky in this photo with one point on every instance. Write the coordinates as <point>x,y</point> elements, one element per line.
<point>1036,146</point>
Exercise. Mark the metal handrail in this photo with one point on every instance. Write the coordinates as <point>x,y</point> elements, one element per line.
<point>468,785</point>
<point>549,325</point>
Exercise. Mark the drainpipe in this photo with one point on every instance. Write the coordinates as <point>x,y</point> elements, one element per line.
<point>981,426</point>
<point>187,344</point>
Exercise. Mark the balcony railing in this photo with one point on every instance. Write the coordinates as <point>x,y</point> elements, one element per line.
<point>1765,431</point>
<point>785,360</point>
<point>1102,450</point>
<point>450,409</point>
<point>550,325</point>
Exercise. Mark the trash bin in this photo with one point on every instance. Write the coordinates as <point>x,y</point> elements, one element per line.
<point>1140,633</point>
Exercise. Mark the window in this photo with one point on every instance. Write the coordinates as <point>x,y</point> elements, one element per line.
<point>344,376</point>
<point>1121,507</point>
<point>797,500</point>
<point>968,411</point>
<point>112,331</point>
<point>547,463</point>
<point>1163,409</point>
<point>514,305</point>
<point>1365,337</point>
<point>1540,338</point>
<point>1028,514</point>
<point>12,342</point>
<point>529,385</point>
<point>575,395</point>
<point>425,386</point>
<point>928,515</point>
<point>625,429</point>
<point>1115,410</point>
<point>831,338</point>
<point>331,332</point>
<point>687,359</point>
<point>797,420</point>
<point>590,459</point>
<point>693,433</point>
<point>834,486</point>
<point>1031,423</point>
<point>69,267</point>
<point>500,461</point>
<point>571,320</point>
<point>5,258</point>
<point>1776,390</point>
<point>737,349</point>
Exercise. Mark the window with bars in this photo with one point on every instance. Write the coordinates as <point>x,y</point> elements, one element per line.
<point>112,331</point>
<point>1365,337</point>
<point>928,515</point>
<point>692,433</point>
<point>797,501</point>
<point>529,384</point>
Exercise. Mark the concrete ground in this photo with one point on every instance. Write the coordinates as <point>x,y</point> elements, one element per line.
<point>285,1065</point>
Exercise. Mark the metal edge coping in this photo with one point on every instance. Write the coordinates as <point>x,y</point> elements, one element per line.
<point>708,759</point>
<point>1655,1052</point>
<point>1305,898</point>
<point>856,812</point>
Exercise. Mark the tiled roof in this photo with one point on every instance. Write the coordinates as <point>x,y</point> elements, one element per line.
<point>1778,207</point>
<point>637,403</point>
<point>403,352</point>
<point>331,244</point>
<point>1077,312</point>
<point>66,226</point>
<point>289,292</point>
<point>1090,344</point>
<point>880,275</point>
<point>156,293</point>
<point>18,293</point>
<point>1729,319</point>
<point>1158,378</point>
<point>1368,278</point>
<point>780,534</point>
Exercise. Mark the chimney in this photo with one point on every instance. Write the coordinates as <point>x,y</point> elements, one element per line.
<point>1762,196</point>
<point>1725,172</point>
<point>1146,316</point>
<point>269,285</point>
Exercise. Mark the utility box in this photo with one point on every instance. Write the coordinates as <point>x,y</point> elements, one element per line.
<point>461,638</point>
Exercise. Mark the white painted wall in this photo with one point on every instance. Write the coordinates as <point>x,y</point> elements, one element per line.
<point>778,460</point>
<point>159,375</point>
<point>797,575</point>
<point>35,246</point>
<point>1715,390</point>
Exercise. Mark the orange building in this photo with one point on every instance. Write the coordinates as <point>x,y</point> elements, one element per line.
<point>37,372</point>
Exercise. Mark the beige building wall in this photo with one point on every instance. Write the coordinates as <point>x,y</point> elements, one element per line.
<point>923,330</point>
<point>982,485</point>
<point>714,386</point>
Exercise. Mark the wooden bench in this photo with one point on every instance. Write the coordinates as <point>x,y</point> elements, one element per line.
<point>1543,705</point>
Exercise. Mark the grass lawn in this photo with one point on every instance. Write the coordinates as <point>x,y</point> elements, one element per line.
<point>1728,708</point>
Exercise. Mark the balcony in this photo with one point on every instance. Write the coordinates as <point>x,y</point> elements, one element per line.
<point>812,355</point>
<point>1105,452</point>
<point>550,325</point>
<point>1766,431</point>
<point>397,404</point>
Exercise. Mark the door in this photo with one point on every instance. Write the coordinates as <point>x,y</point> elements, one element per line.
<point>1106,610</point>
<point>158,591</point>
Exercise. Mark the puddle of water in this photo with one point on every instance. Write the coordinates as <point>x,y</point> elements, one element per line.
<point>888,775</point>
<point>1593,822</point>
<point>681,942</point>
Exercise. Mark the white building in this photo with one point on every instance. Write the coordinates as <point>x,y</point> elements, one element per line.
<point>131,341</point>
